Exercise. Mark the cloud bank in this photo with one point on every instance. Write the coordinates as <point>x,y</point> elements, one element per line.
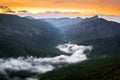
<point>57,14</point>
<point>42,65</point>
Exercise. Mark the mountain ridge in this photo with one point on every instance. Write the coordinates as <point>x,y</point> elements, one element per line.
<point>31,36</point>
<point>92,28</point>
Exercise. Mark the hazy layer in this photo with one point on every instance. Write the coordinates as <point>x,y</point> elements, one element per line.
<point>42,65</point>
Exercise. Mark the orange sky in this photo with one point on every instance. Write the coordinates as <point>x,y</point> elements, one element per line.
<point>66,7</point>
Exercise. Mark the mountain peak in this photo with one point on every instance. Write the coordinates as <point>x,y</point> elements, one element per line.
<point>95,17</point>
<point>29,17</point>
<point>92,18</point>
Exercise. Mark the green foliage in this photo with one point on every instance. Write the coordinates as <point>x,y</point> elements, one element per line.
<point>24,37</point>
<point>12,48</point>
<point>103,47</point>
<point>94,69</point>
<point>92,28</point>
<point>99,67</point>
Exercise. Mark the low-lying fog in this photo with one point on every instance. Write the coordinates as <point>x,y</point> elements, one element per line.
<point>74,54</point>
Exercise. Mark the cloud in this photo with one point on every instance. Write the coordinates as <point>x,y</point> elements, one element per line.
<point>49,13</point>
<point>23,11</point>
<point>3,7</point>
<point>42,65</point>
<point>58,14</point>
<point>59,2</point>
<point>10,11</point>
<point>6,9</point>
<point>110,17</point>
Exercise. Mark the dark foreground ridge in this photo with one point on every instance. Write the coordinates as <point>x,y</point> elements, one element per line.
<point>94,69</point>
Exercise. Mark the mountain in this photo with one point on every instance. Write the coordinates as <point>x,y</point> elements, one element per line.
<point>103,60</point>
<point>96,69</point>
<point>62,22</point>
<point>103,63</point>
<point>104,47</point>
<point>21,37</point>
<point>29,17</point>
<point>92,28</point>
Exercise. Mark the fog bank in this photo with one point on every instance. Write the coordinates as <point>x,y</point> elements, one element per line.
<point>42,65</point>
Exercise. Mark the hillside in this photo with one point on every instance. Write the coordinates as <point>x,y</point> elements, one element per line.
<point>63,22</point>
<point>96,69</point>
<point>103,63</point>
<point>103,47</point>
<point>92,28</point>
<point>21,36</point>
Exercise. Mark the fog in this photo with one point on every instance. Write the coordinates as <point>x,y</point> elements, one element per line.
<point>42,65</point>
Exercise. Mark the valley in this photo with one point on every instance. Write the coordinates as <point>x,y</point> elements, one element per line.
<point>59,49</point>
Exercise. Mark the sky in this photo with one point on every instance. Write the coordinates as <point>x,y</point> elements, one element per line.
<point>60,8</point>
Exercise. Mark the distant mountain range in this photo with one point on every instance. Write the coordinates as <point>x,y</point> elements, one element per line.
<point>62,22</point>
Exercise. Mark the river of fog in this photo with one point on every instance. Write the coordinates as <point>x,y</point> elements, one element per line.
<point>14,68</point>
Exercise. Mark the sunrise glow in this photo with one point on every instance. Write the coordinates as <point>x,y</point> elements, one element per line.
<point>69,7</point>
